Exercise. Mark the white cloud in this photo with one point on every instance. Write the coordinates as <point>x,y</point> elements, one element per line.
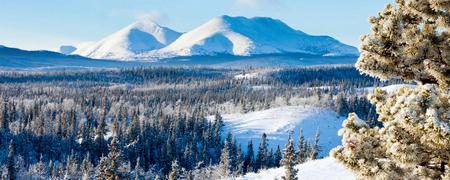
<point>154,16</point>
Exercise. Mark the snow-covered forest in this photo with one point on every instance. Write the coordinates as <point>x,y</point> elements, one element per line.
<point>166,123</point>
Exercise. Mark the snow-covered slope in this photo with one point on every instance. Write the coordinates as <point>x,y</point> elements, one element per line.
<point>323,169</point>
<point>136,38</point>
<point>250,36</point>
<point>278,122</point>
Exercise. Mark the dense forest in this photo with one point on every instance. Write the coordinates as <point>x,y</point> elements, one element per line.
<point>158,123</point>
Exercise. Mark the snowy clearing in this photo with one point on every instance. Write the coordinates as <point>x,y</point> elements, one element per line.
<point>323,169</point>
<point>278,122</point>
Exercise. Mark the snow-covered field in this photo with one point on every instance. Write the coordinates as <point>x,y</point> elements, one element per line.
<point>323,169</point>
<point>278,122</point>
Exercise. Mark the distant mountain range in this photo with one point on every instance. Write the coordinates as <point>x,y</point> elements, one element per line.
<point>17,59</point>
<point>224,35</point>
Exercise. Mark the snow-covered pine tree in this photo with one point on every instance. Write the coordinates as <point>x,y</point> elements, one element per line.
<point>315,148</point>
<point>249,163</point>
<point>175,171</point>
<point>138,171</point>
<point>301,154</point>
<point>409,40</point>
<point>109,166</point>
<point>261,157</point>
<point>239,169</point>
<point>225,161</point>
<point>288,161</point>
<point>86,168</point>
<point>278,157</point>
<point>10,165</point>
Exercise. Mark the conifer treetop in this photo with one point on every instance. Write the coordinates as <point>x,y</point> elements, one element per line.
<point>409,40</point>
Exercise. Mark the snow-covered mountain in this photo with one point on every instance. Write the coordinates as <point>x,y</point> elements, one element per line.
<point>136,38</point>
<point>243,36</point>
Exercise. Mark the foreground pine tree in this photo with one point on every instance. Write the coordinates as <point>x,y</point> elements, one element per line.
<point>409,41</point>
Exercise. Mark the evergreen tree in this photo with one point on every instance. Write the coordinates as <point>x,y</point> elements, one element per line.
<point>109,166</point>
<point>175,172</point>
<point>225,164</point>
<point>290,173</point>
<point>138,171</point>
<point>301,153</point>
<point>249,164</point>
<point>409,40</point>
<point>341,105</point>
<point>261,157</point>
<point>218,123</point>
<point>315,148</point>
<point>278,157</point>
<point>270,159</point>
<point>86,168</point>
<point>10,165</point>
<point>239,169</point>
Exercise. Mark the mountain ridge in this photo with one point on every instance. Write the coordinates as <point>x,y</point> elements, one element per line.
<point>243,36</point>
<point>222,35</point>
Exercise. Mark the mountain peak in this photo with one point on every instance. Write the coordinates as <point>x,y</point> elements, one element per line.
<point>138,37</point>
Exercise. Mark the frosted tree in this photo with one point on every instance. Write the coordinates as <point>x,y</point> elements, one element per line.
<point>301,154</point>
<point>289,161</point>
<point>175,172</point>
<point>11,170</point>
<point>409,40</point>
<point>86,168</point>
<point>225,164</point>
<point>315,148</point>
<point>278,156</point>
<point>138,171</point>
<point>109,166</point>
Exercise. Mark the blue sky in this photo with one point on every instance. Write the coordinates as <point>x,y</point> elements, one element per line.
<point>47,24</point>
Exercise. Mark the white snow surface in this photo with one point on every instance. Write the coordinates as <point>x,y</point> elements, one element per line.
<point>125,44</point>
<point>243,36</point>
<point>390,89</point>
<point>278,122</point>
<point>323,169</point>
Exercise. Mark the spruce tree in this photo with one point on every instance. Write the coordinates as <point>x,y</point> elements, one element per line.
<point>109,166</point>
<point>278,157</point>
<point>315,148</point>
<point>225,162</point>
<point>249,158</point>
<point>290,173</point>
<point>86,168</point>
<point>301,153</point>
<point>10,165</point>
<point>138,171</point>
<point>174,172</point>
<point>409,40</point>
<point>261,157</point>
